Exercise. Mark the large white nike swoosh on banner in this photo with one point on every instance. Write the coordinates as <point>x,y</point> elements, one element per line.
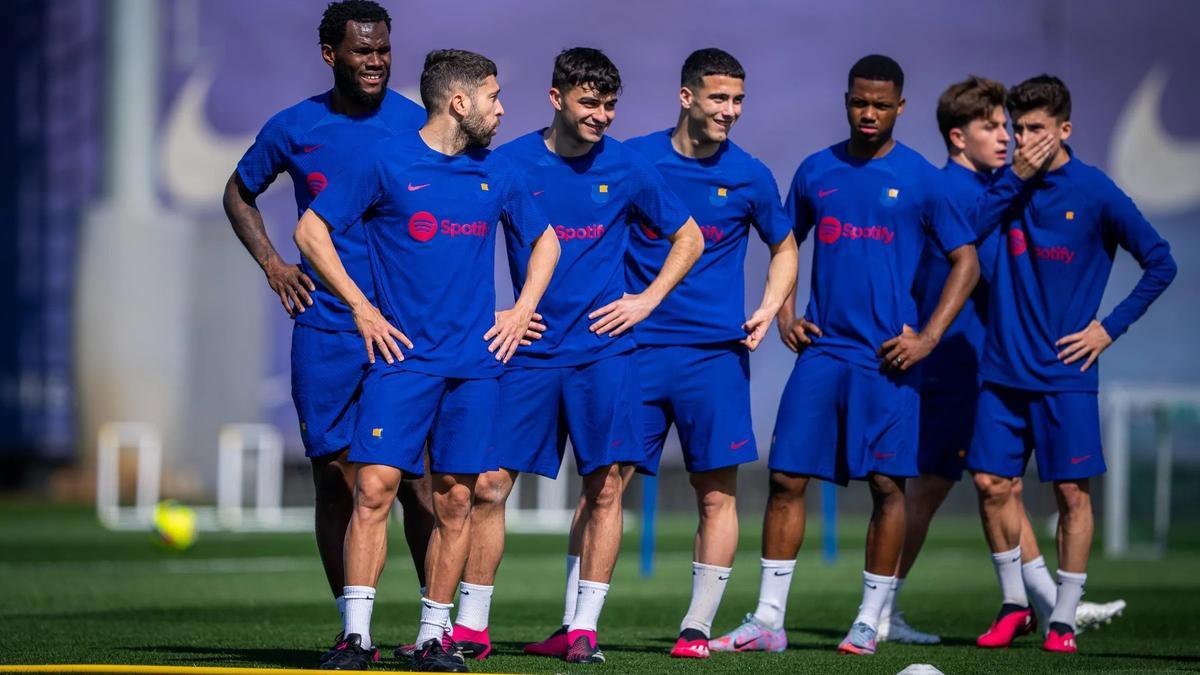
<point>1160,173</point>
<point>196,159</point>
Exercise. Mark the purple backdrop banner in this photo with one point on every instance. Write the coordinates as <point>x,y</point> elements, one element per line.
<point>230,64</point>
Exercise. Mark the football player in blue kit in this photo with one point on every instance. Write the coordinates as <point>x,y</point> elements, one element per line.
<point>1061,225</point>
<point>311,142</point>
<point>429,202</point>
<point>973,124</point>
<point>850,407</point>
<point>580,380</point>
<point>693,351</point>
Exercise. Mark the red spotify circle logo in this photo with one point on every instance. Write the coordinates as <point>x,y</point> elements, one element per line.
<point>829,229</point>
<point>422,226</point>
<point>316,182</point>
<point>1016,242</point>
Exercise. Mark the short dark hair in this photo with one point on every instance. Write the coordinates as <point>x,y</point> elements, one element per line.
<point>445,68</point>
<point>1044,91</point>
<point>879,68</point>
<point>711,61</point>
<point>333,22</point>
<point>964,102</point>
<point>584,66</point>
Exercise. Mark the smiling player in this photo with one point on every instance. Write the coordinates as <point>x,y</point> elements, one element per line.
<point>312,141</point>
<point>693,352</point>
<point>579,381</point>
<point>430,201</point>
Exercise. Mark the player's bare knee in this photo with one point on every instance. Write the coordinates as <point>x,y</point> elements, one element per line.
<point>602,488</point>
<point>453,505</point>
<point>886,488</point>
<point>992,487</point>
<point>1073,498</point>
<point>492,490</point>
<point>786,489</point>
<point>714,503</point>
<point>373,500</point>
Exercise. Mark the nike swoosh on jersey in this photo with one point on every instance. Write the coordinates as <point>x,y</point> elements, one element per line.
<point>822,194</point>
<point>414,188</point>
<point>310,148</point>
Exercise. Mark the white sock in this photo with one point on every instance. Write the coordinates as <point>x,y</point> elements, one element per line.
<point>876,588</point>
<point>1040,588</point>
<point>474,605</point>
<point>588,605</point>
<point>891,604</point>
<point>571,593</point>
<point>1008,571</point>
<point>435,616</point>
<point>360,601</point>
<point>1070,590</point>
<point>773,592</point>
<point>708,585</point>
<point>341,605</point>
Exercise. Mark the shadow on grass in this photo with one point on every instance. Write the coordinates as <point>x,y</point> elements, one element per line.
<point>180,654</point>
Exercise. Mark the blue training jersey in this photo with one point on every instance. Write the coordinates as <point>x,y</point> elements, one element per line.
<point>588,200</point>
<point>312,144</point>
<point>431,224</point>
<point>873,219</point>
<point>728,194</point>
<point>954,364</point>
<point>1057,248</point>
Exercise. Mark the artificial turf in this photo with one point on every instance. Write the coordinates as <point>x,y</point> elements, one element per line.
<point>76,593</point>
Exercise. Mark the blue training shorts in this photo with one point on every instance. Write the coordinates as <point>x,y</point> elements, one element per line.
<point>947,426</point>
<point>704,390</point>
<point>402,410</point>
<point>594,404</point>
<point>1062,427</point>
<point>328,368</point>
<point>838,421</point>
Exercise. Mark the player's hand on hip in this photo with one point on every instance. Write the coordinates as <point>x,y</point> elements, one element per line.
<point>378,334</point>
<point>1089,343</point>
<point>756,328</point>
<point>536,329</point>
<point>797,333</point>
<point>906,349</point>
<point>1030,159</point>
<point>291,285</point>
<point>620,315</point>
<point>513,327</point>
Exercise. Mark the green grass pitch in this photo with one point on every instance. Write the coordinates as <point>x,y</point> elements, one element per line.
<point>74,593</point>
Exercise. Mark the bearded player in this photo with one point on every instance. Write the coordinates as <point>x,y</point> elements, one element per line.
<point>312,141</point>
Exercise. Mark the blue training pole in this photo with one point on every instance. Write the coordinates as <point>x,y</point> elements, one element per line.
<point>829,544</point>
<point>649,507</point>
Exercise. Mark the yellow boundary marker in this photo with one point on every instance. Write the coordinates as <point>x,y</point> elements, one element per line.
<point>157,670</point>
